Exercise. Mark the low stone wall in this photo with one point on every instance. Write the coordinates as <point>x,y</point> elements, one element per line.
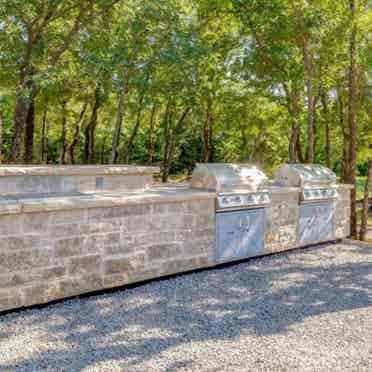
<point>58,247</point>
<point>53,255</point>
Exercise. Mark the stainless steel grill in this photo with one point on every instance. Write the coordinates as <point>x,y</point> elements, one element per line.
<point>318,191</point>
<point>316,183</point>
<point>238,186</point>
<point>241,197</point>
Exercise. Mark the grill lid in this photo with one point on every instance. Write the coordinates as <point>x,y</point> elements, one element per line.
<point>305,176</point>
<point>228,177</point>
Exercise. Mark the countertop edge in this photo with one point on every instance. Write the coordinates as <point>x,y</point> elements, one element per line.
<point>9,171</point>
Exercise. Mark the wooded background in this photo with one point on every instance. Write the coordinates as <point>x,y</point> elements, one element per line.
<point>174,82</point>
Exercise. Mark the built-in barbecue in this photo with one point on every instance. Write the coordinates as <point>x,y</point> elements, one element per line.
<point>318,194</point>
<point>242,196</point>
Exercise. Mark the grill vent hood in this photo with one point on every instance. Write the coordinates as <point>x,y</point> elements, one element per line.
<point>228,177</point>
<point>305,175</point>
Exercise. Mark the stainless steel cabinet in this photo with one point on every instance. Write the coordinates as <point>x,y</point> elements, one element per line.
<point>240,234</point>
<point>316,223</point>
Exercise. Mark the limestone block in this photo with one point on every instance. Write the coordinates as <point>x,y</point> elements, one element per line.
<point>40,293</point>
<point>342,213</point>
<point>205,221</point>
<point>37,223</point>
<point>10,299</point>
<point>164,251</point>
<point>198,247</point>
<point>122,245</point>
<point>127,264</point>
<point>111,238</point>
<point>56,184</point>
<point>10,225</point>
<point>77,285</point>
<point>126,183</point>
<point>25,259</point>
<point>201,206</point>
<point>22,278</point>
<point>281,238</point>
<point>69,247</point>
<point>66,216</point>
<point>24,242</point>
<point>117,280</point>
<point>9,206</point>
<point>84,265</point>
<point>187,234</point>
<point>185,264</point>
<point>94,244</point>
<point>65,230</point>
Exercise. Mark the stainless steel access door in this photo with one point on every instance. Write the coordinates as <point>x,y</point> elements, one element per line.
<point>316,223</point>
<point>240,234</point>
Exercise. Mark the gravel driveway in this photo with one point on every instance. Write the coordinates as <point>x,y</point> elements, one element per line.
<point>307,310</point>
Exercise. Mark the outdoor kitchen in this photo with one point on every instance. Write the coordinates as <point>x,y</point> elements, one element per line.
<point>70,230</point>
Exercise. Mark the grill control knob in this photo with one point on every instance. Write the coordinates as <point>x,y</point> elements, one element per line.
<point>236,199</point>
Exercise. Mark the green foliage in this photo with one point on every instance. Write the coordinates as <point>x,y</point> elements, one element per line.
<point>235,63</point>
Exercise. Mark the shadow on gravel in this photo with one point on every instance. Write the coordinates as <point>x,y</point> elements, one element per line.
<point>262,297</point>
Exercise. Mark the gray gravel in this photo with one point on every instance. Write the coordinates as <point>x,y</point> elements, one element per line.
<point>307,310</point>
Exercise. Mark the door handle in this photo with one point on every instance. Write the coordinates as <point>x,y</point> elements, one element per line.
<point>245,226</point>
<point>311,221</point>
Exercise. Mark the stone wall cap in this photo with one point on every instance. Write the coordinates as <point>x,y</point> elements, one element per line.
<point>283,189</point>
<point>162,194</point>
<point>9,206</point>
<point>346,186</point>
<point>75,170</point>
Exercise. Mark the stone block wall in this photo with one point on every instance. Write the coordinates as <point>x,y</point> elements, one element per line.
<point>53,255</point>
<point>342,213</point>
<point>282,221</point>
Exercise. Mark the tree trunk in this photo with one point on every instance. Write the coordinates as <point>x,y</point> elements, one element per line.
<point>167,139</point>
<point>128,150</point>
<point>62,154</point>
<point>89,132</point>
<point>172,148</point>
<point>307,60</point>
<point>367,190</point>
<point>1,136</point>
<point>102,154</point>
<point>326,129</point>
<point>352,118</point>
<point>345,137</point>
<point>118,123</point>
<point>207,140</point>
<point>310,103</point>
<point>20,115</point>
<point>76,135</point>
<point>43,135</point>
<point>150,146</point>
<point>295,130</point>
<point>30,123</point>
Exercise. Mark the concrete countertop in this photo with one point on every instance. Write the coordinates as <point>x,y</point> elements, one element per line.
<point>75,170</point>
<point>46,203</point>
